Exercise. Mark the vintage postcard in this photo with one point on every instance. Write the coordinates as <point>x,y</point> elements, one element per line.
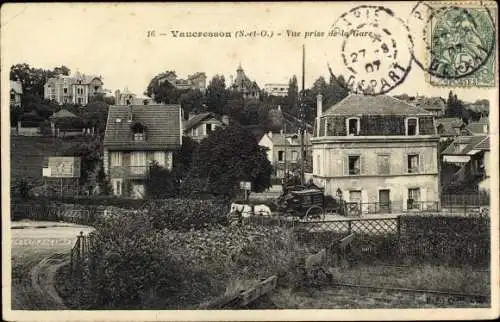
<point>250,161</point>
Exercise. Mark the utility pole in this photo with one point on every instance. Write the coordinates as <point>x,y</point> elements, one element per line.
<point>302,117</point>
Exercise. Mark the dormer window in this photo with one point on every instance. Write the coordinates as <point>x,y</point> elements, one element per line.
<point>353,125</point>
<point>139,132</point>
<point>411,126</point>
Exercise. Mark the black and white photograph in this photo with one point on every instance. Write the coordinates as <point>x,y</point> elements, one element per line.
<point>250,161</point>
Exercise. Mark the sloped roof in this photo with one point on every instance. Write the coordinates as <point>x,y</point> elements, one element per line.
<point>279,139</point>
<point>470,143</point>
<point>356,104</point>
<point>16,87</point>
<point>64,113</point>
<point>483,145</point>
<point>449,124</point>
<point>197,119</point>
<point>478,127</point>
<point>431,103</point>
<point>73,79</point>
<point>163,123</point>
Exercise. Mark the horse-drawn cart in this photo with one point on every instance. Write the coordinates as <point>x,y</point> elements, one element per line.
<point>307,203</point>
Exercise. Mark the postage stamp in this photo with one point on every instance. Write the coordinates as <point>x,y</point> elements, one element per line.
<point>459,40</point>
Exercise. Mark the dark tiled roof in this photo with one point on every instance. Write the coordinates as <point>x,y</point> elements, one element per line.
<point>374,105</point>
<point>197,119</point>
<point>470,142</point>
<point>163,124</point>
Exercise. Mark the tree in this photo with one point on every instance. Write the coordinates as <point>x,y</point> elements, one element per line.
<point>183,158</point>
<point>292,96</point>
<point>162,90</point>
<point>216,94</point>
<point>191,101</point>
<point>160,182</point>
<point>454,106</point>
<point>227,157</point>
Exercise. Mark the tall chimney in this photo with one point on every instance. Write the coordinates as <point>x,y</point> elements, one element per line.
<point>117,97</point>
<point>319,111</point>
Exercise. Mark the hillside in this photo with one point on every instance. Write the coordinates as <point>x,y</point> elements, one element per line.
<point>27,154</point>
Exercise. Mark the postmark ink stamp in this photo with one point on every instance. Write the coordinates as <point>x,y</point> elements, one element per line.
<point>382,60</point>
<point>458,43</point>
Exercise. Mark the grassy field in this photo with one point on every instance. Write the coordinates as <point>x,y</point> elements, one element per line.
<point>427,277</point>
<point>27,154</point>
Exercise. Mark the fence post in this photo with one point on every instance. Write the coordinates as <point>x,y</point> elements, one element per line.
<point>349,227</point>
<point>398,224</point>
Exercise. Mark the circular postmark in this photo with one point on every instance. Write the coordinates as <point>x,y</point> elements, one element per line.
<point>380,60</point>
<point>455,41</point>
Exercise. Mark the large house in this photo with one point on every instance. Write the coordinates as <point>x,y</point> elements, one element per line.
<point>471,155</point>
<point>199,126</point>
<point>75,89</point>
<point>16,90</point>
<point>377,151</point>
<point>276,89</point>
<point>243,85</point>
<point>195,81</point>
<point>137,135</point>
<point>129,98</point>
<point>284,149</point>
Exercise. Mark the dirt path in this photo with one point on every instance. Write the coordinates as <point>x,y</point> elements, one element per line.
<point>43,280</point>
<point>37,254</point>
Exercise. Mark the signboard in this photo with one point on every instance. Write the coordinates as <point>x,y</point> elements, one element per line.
<point>62,167</point>
<point>245,185</point>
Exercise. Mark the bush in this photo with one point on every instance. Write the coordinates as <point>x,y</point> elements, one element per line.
<point>185,214</point>
<point>134,266</point>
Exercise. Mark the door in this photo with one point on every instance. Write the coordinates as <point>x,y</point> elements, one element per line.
<point>384,199</point>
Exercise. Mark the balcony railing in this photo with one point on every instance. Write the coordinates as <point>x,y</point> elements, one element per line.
<point>138,172</point>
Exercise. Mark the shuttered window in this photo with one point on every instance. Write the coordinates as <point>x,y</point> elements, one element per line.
<point>159,156</point>
<point>383,162</point>
<point>116,159</point>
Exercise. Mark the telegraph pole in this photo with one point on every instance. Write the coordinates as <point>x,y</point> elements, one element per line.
<point>302,117</point>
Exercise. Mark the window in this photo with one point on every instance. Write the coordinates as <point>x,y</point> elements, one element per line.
<point>208,128</point>
<point>412,126</point>
<point>116,159</point>
<point>354,164</point>
<point>138,162</point>
<point>281,156</point>
<point>80,100</point>
<point>12,96</point>
<point>355,196</point>
<point>384,165</point>
<point>117,186</point>
<point>295,155</point>
<point>413,198</point>
<point>139,136</point>
<point>159,156</point>
<point>413,163</point>
<point>352,126</point>
<point>65,90</point>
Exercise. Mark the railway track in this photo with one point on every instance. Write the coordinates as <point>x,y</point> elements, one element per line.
<point>435,293</point>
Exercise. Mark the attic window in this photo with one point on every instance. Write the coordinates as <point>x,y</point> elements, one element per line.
<point>411,126</point>
<point>139,132</point>
<point>352,125</point>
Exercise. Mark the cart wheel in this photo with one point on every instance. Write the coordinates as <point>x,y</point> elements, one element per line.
<point>315,212</point>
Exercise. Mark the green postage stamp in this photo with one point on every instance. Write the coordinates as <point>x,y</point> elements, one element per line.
<point>462,48</point>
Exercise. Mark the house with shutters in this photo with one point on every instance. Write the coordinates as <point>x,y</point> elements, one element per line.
<point>199,126</point>
<point>283,150</point>
<point>380,152</point>
<point>137,135</point>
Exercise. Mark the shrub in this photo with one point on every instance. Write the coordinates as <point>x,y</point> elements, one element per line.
<point>134,266</point>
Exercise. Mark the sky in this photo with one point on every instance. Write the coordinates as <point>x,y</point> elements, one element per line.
<point>111,40</point>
